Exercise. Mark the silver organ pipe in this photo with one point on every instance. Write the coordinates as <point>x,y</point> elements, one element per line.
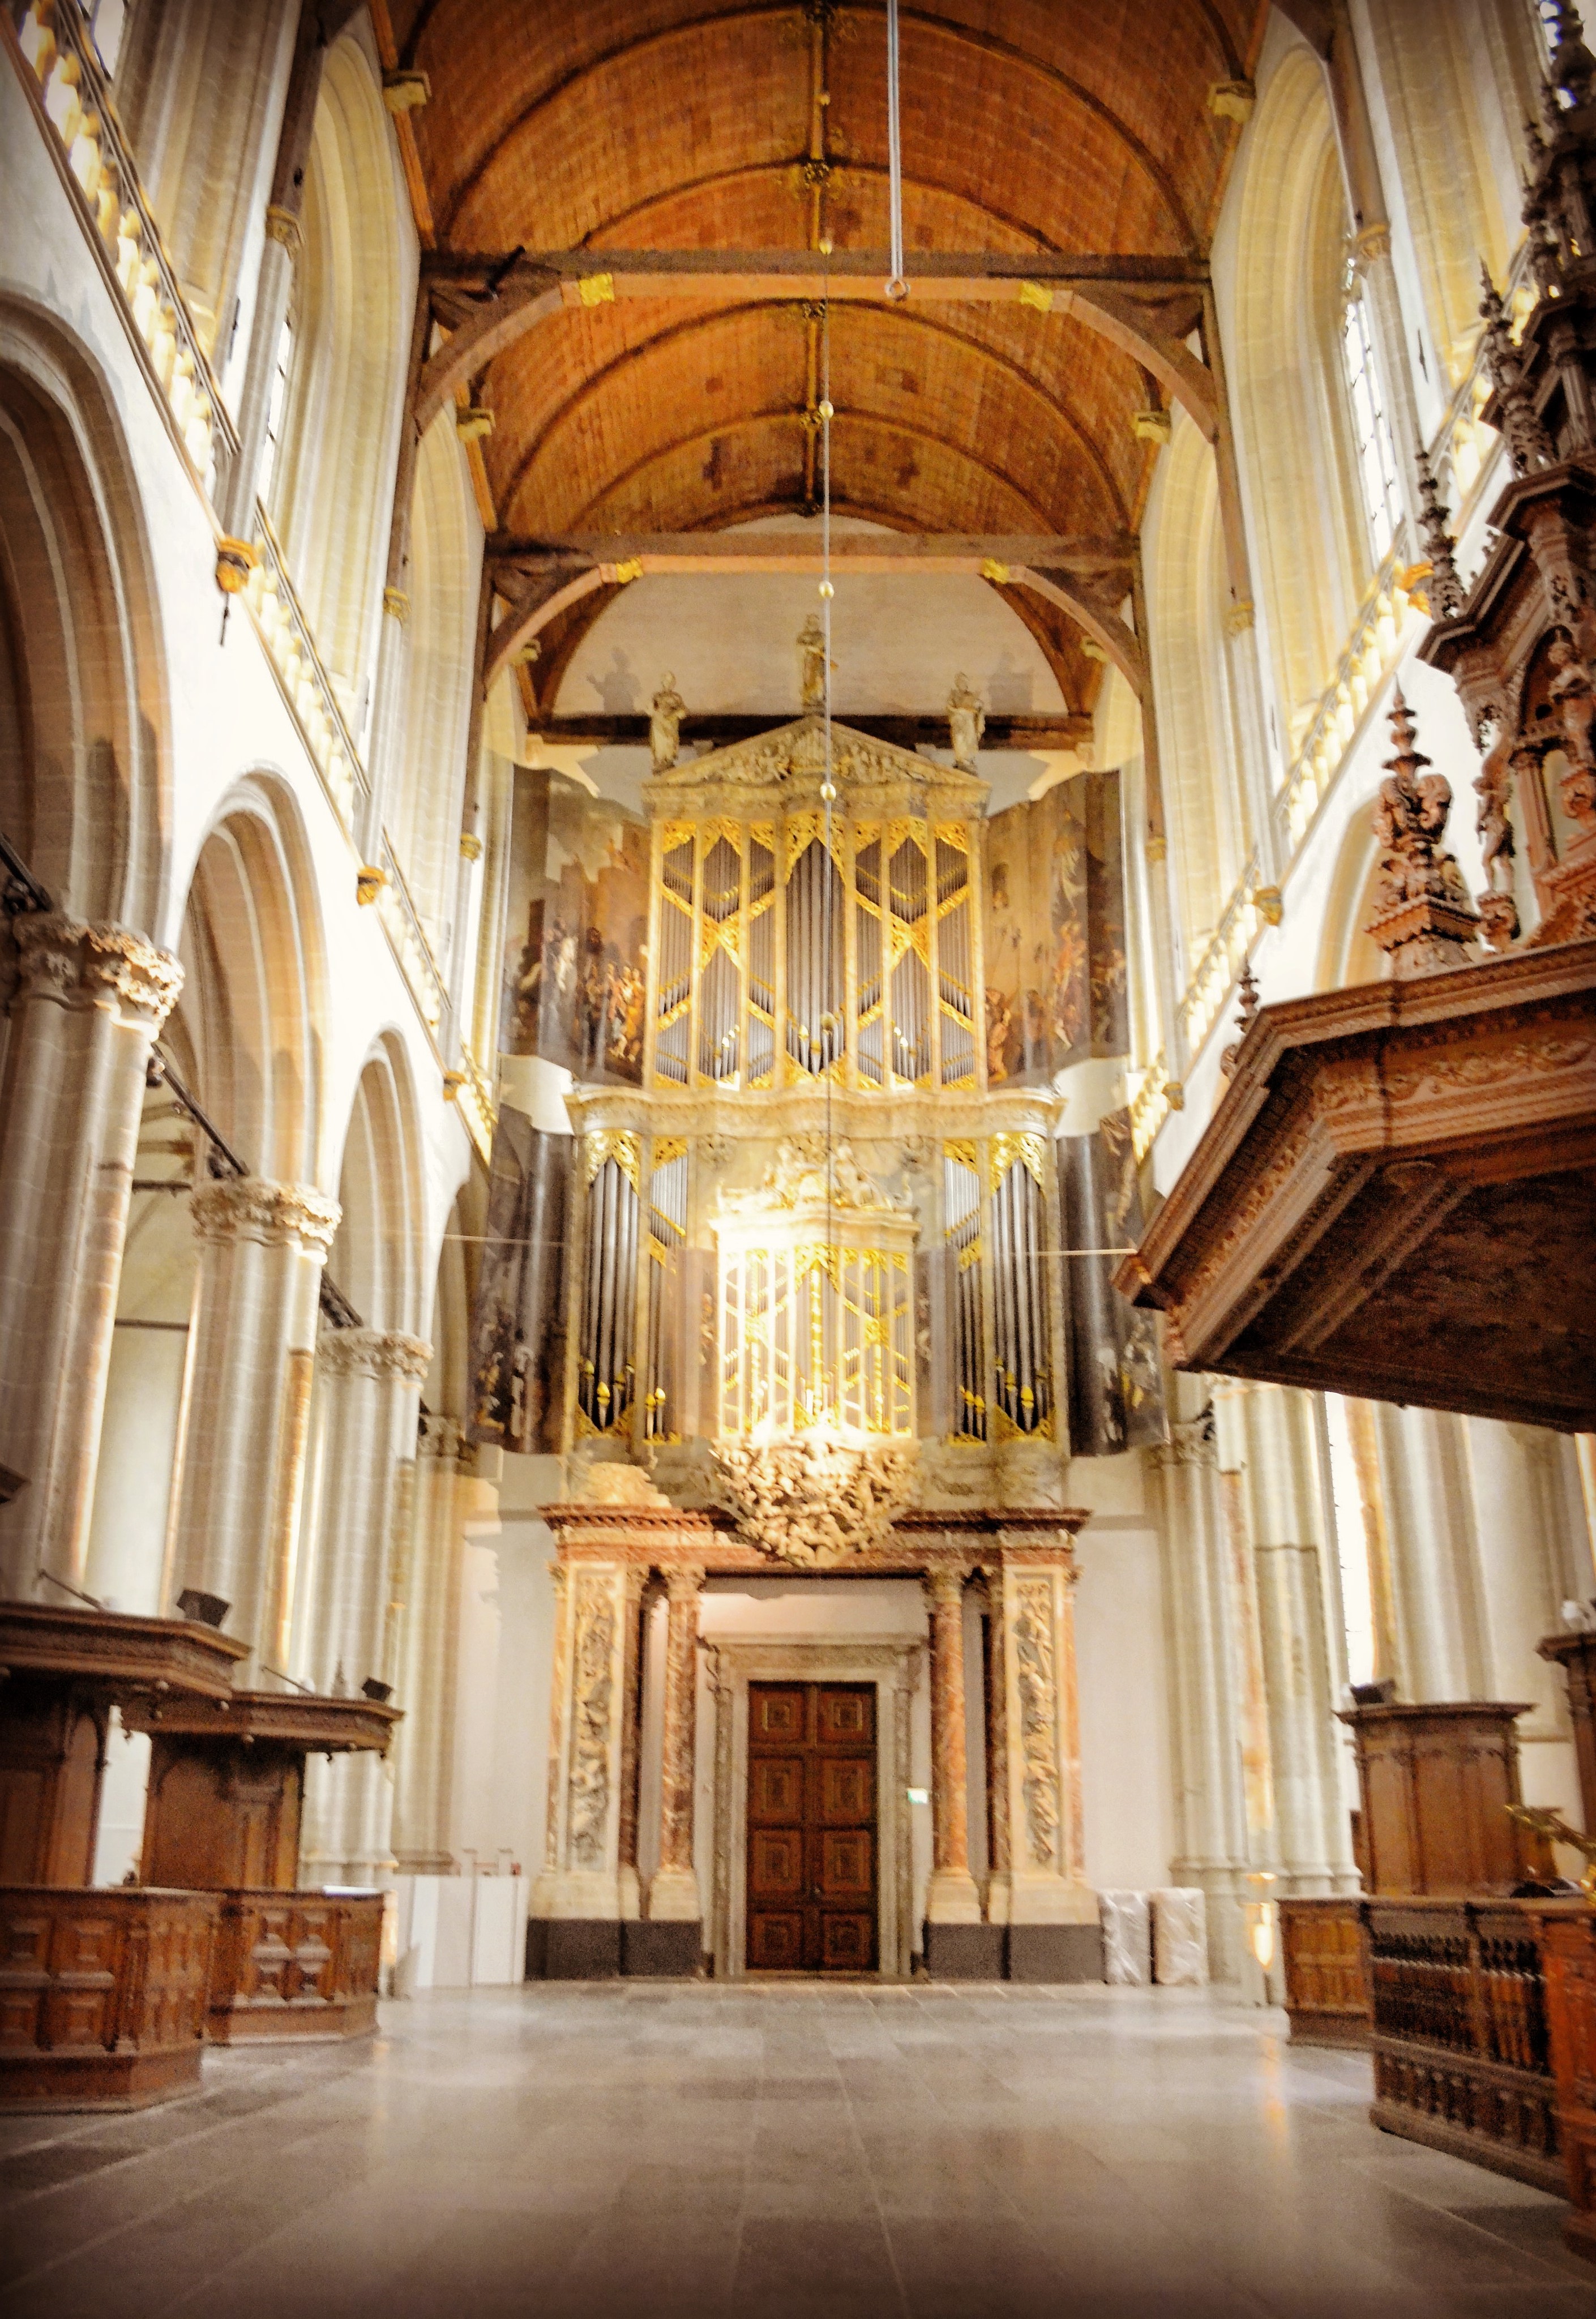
<point>1022,1387</point>
<point>605,1363</point>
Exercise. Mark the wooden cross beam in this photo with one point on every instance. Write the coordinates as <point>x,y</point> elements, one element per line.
<point>1148,307</point>
<point>1029,731</point>
<point>986,557</point>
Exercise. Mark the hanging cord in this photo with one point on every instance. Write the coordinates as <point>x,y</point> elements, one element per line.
<point>828,790</point>
<point>896,287</point>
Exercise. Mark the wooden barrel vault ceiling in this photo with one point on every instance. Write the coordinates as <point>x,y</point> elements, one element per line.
<point>1081,149</point>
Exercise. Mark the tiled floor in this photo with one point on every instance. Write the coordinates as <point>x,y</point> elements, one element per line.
<point>655,2150</point>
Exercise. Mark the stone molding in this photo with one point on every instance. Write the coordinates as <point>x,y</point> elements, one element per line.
<point>76,965</point>
<point>388,1354</point>
<point>253,1207</point>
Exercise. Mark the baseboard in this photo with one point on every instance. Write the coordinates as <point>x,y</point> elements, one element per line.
<point>1054,1952</point>
<point>669,1949</point>
<point>963,1952</point>
<point>573,1948</point>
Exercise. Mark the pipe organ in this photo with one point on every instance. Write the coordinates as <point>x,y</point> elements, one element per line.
<point>813,1210</point>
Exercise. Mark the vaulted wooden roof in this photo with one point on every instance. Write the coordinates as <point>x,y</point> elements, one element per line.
<point>1029,126</point>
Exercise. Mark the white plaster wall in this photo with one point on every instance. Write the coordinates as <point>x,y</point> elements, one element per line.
<point>730,643</point>
<point>1127,1792</point>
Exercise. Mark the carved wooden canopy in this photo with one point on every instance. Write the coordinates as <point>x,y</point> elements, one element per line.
<point>1396,1198</point>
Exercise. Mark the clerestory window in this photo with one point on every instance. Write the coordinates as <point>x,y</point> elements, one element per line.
<point>1371,426</point>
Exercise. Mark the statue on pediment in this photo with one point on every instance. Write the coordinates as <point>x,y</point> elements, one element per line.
<point>664,724</point>
<point>967,721</point>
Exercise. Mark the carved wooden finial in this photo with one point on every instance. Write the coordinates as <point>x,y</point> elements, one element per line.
<point>1246,1015</point>
<point>1573,66</point>
<point>1526,437</point>
<point>1445,587</point>
<point>1423,918</point>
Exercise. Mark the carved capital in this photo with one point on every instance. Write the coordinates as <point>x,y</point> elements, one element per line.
<point>1191,1443</point>
<point>388,1354</point>
<point>684,1584</point>
<point>441,1440</point>
<point>279,1215</point>
<point>76,965</point>
<point>943,1587</point>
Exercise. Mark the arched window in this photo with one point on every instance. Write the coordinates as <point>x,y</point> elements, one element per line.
<point>1304,413</point>
<point>1371,425</point>
<point>341,373</point>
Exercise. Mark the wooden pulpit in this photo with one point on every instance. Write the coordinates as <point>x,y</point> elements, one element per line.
<point>1577,1656</point>
<point>1436,1780</point>
<point>226,1783</point>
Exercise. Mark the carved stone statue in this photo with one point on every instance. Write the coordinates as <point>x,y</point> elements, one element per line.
<point>1423,918</point>
<point>967,721</point>
<point>812,669</point>
<point>664,724</point>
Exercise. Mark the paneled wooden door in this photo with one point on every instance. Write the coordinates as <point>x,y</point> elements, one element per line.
<point>811,1827</point>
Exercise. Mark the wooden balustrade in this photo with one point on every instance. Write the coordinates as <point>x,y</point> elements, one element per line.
<point>1460,2032</point>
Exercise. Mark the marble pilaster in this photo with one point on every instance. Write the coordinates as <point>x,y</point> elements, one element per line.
<point>87,1002</point>
<point>1036,1813</point>
<point>950,1896</point>
<point>673,1888</point>
<point>593,1747</point>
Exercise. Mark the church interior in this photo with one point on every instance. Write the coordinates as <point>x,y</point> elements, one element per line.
<point>797,1158</point>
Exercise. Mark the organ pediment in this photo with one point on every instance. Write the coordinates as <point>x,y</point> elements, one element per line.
<point>783,770</point>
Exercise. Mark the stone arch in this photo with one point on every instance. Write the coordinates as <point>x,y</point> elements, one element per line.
<point>84,776</point>
<point>248,1032</point>
<point>1312,545</point>
<point>444,582</point>
<point>331,484</point>
<point>1188,592</point>
<point>376,1256</point>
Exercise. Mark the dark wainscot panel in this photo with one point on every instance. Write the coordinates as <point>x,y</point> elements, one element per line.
<point>102,1994</point>
<point>295,1964</point>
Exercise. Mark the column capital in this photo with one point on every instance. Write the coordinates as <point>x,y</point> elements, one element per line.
<point>77,965</point>
<point>253,1207</point>
<point>942,1585</point>
<point>684,1581</point>
<point>386,1354</point>
<point>441,1437</point>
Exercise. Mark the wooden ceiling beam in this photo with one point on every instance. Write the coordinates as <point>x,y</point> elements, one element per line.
<point>1146,306</point>
<point>1032,731</point>
<point>800,551</point>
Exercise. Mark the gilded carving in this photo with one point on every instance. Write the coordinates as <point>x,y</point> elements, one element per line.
<point>812,1501</point>
<point>592,1706</point>
<point>1037,1690</point>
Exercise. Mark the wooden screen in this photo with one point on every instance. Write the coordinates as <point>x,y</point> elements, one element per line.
<point>812,1837</point>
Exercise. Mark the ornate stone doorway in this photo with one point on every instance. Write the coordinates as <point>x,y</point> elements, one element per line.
<point>812,1841</point>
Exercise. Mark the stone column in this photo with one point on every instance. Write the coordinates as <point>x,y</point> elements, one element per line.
<point>950,1896</point>
<point>357,1585</point>
<point>1274,1444</point>
<point>85,1005</point>
<point>1437,1581</point>
<point>1036,1787</point>
<point>253,1337</point>
<point>593,1715</point>
<point>673,1888</point>
<point>423,1746</point>
<point>1204,1726</point>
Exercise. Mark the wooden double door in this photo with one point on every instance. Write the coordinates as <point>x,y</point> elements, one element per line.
<point>812,1835</point>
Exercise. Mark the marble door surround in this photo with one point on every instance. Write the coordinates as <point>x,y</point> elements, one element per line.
<point>1027,1914</point>
<point>893,1666</point>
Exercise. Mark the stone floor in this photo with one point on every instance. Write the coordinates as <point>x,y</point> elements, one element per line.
<point>660,2148</point>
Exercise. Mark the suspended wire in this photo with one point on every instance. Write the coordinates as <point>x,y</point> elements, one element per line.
<point>835,1001</point>
<point>896,287</point>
